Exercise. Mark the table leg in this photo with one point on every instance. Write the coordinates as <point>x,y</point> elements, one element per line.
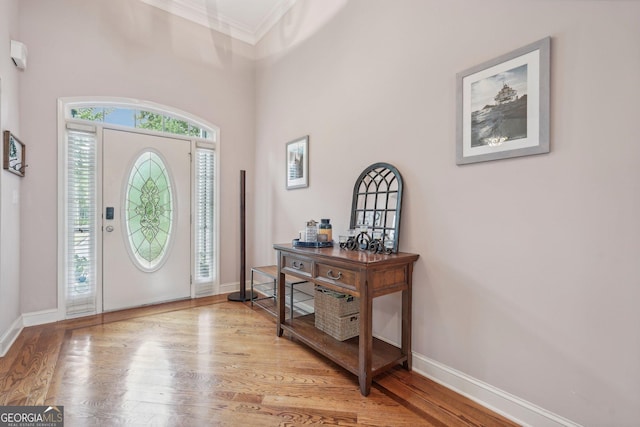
<point>406,320</point>
<point>280,305</point>
<point>365,342</point>
<point>252,288</point>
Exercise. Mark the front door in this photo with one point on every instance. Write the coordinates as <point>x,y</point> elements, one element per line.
<point>146,198</point>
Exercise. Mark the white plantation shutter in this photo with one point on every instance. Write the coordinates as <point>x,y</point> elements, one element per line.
<point>81,227</point>
<point>205,272</point>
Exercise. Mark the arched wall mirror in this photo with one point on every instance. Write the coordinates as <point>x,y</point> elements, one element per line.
<point>377,201</point>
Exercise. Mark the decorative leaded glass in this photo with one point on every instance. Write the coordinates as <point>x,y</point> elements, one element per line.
<point>149,210</point>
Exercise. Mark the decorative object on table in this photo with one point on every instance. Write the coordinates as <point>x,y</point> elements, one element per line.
<point>503,106</point>
<point>311,231</point>
<point>298,163</point>
<point>14,154</point>
<point>310,237</point>
<point>365,241</point>
<point>375,210</point>
<point>325,231</point>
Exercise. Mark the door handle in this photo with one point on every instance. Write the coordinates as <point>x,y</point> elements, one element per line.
<point>109,228</point>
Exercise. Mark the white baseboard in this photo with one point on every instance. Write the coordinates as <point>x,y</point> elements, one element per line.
<point>226,288</point>
<point>26,320</point>
<point>508,405</point>
<point>8,338</point>
<point>40,317</point>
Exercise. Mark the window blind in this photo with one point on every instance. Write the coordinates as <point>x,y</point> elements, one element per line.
<point>205,270</point>
<point>81,223</point>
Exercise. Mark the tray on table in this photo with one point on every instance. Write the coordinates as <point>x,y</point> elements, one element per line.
<point>298,243</point>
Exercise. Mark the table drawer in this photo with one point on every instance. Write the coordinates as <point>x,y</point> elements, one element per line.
<point>296,265</point>
<point>338,276</point>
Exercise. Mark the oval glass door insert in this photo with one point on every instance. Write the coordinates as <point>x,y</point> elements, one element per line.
<point>149,211</point>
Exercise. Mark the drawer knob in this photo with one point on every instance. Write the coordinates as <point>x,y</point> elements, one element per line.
<point>297,265</point>
<point>332,277</point>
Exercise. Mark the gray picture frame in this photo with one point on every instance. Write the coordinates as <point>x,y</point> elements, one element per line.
<point>502,106</point>
<point>297,163</point>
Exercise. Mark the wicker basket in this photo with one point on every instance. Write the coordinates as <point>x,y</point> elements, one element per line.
<point>340,328</point>
<point>335,303</point>
<point>336,314</point>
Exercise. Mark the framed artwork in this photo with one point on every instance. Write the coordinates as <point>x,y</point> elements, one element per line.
<point>503,106</point>
<point>14,154</point>
<point>298,163</point>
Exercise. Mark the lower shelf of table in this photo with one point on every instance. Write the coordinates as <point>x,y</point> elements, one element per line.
<point>344,353</point>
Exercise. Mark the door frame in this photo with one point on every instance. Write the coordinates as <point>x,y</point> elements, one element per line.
<point>64,106</point>
<point>126,281</point>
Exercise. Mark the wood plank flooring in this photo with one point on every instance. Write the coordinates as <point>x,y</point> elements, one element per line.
<point>209,362</point>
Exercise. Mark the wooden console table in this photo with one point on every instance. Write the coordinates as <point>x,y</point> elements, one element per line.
<point>361,274</point>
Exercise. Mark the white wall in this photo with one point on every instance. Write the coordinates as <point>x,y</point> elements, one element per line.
<point>125,49</point>
<point>9,183</point>
<point>529,277</point>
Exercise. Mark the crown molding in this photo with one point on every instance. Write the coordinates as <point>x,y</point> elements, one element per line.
<point>196,11</point>
<point>276,13</point>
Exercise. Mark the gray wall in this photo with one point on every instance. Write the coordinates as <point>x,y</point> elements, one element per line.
<point>529,277</point>
<point>9,184</point>
<point>128,49</point>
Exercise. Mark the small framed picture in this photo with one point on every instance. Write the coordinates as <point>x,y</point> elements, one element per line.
<point>503,106</point>
<point>298,163</point>
<point>14,154</point>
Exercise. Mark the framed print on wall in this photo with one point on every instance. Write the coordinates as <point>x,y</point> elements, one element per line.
<point>503,106</point>
<point>298,163</point>
<point>14,154</point>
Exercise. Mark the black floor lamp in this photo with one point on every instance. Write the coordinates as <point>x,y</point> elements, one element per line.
<point>243,295</point>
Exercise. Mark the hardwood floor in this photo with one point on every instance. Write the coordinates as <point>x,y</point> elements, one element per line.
<point>209,362</point>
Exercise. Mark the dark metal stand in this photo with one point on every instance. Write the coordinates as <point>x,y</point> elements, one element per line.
<point>242,296</point>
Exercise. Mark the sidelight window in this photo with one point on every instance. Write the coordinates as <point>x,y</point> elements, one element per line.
<point>204,218</point>
<point>81,222</point>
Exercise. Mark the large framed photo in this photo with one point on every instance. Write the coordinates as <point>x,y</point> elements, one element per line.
<point>14,154</point>
<point>298,163</point>
<point>503,106</point>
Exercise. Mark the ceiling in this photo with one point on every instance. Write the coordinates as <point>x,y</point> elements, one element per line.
<point>246,20</point>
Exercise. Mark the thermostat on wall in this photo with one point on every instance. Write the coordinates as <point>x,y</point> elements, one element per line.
<point>19,54</point>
